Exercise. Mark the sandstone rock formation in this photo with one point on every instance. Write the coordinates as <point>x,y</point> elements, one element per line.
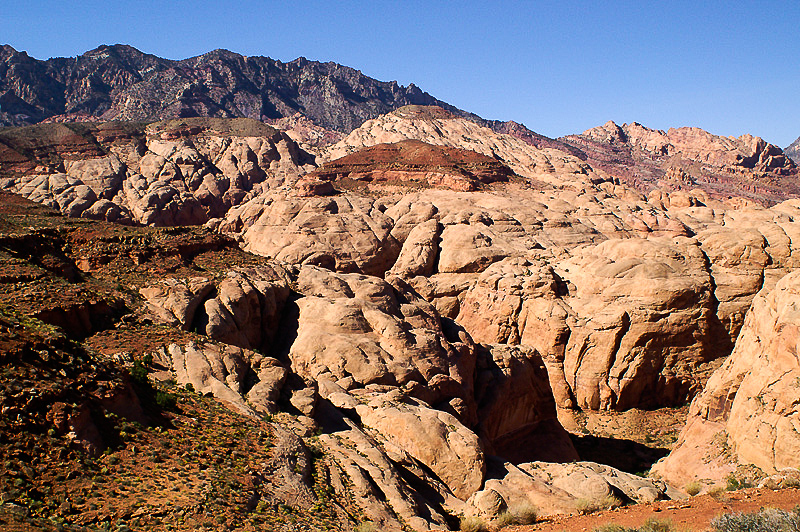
<point>748,412</point>
<point>414,308</point>
<point>688,157</point>
<point>415,163</point>
<point>559,488</point>
<point>180,172</point>
<point>439,127</point>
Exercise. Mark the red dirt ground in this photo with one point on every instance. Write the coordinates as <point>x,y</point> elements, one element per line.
<point>693,514</point>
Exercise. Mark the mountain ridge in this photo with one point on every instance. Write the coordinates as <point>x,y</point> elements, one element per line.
<point>120,82</point>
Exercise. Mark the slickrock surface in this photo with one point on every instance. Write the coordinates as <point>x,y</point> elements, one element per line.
<point>412,314</point>
<point>180,172</point>
<point>748,411</point>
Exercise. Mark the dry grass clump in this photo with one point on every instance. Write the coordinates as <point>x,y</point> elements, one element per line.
<point>651,525</point>
<point>366,526</point>
<point>473,524</point>
<point>587,506</point>
<point>693,488</point>
<point>768,520</point>
<point>717,493</point>
<point>523,514</point>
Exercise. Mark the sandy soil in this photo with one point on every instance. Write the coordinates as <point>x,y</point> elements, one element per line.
<point>693,514</point>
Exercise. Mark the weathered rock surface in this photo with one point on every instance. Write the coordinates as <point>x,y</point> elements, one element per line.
<point>434,438</point>
<point>441,128</point>
<point>516,411</point>
<point>362,330</point>
<point>560,488</point>
<point>180,172</point>
<point>748,411</point>
<point>247,381</point>
<point>242,309</point>
<point>415,163</point>
<point>689,157</point>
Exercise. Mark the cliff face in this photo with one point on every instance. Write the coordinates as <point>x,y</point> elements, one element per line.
<point>121,83</point>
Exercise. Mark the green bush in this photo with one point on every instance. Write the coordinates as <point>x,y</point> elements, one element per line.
<point>139,373</point>
<point>166,401</point>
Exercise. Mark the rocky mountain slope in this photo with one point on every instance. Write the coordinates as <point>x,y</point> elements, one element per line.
<point>793,151</point>
<point>121,83</point>
<point>427,301</point>
<point>687,158</point>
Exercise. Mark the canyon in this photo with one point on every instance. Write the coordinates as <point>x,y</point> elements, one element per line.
<point>428,315</point>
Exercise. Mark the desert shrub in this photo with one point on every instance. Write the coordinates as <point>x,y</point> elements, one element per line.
<point>693,488</point>
<point>522,514</point>
<point>657,525</point>
<point>611,527</point>
<point>651,525</point>
<point>366,526</point>
<point>769,520</point>
<point>503,520</point>
<point>732,483</point>
<point>587,506</point>
<point>717,492</point>
<point>525,514</point>
<point>165,400</point>
<point>473,524</point>
<point>139,373</point>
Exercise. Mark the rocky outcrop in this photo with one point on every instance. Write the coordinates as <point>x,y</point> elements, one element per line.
<point>414,163</point>
<point>748,412</point>
<point>439,127</point>
<point>561,488</point>
<point>243,308</point>
<point>243,379</point>
<point>610,320</point>
<point>180,172</point>
<point>689,157</point>
<point>361,331</point>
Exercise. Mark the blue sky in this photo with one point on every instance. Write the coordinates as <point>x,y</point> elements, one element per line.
<point>559,67</point>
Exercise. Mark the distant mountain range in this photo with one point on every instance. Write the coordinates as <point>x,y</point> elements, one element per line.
<point>120,82</point>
